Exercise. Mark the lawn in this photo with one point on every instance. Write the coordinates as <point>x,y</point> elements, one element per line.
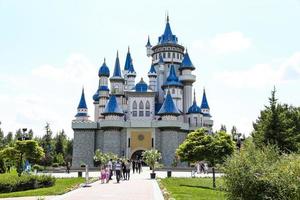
<point>193,188</point>
<point>62,185</point>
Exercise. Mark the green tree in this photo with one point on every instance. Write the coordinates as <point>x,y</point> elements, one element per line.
<point>60,142</point>
<point>18,134</point>
<point>200,146</point>
<point>151,158</point>
<point>278,125</point>
<point>47,145</point>
<point>30,134</point>
<point>2,141</point>
<point>8,139</point>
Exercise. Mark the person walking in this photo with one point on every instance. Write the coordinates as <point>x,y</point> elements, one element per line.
<point>110,167</point>
<point>128,166</point>
<point>139,165</point>
<point>107,171</point>
<point>118,167</point>
<point>103,175</point>
<point>124,170</point>
<point>133,166</point>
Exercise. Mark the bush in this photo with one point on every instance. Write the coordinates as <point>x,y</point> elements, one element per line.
<point>12,182</point>
<point>55,165</point>
<point>38,168</point>
<point>258,174</point>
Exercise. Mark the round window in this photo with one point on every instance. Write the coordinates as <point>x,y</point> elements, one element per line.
<point>141,137</point>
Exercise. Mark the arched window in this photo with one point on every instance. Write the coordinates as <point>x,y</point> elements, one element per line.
<point>173,91</point>
<point>134,109</point>
<point>141,109</point>
<point>147,109</point>
<point>116,89</point>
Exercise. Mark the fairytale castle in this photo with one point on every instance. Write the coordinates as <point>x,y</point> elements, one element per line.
<point>131,117</point>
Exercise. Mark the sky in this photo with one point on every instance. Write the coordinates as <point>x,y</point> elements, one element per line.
<point>50,49</point>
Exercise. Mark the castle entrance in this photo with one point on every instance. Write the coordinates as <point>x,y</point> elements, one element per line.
<point>137,155</point>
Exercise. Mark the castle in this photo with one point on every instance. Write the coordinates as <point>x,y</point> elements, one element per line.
<point>131,117</point>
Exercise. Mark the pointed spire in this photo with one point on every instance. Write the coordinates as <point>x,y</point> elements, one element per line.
<point>204,104</point>
<point>104,70</point>
<point>152,70</point>
<point>172,79</point>
<point>117,70</point>
<point>186,62</point>
<point>194,96</point>
<point>148,43</point>
<point>168,36</point>
<point>128,60</point>
<point>131,68</point>
<point>82,103</point>
<point>194,108</point>
<point>112,107</point>
<point>168,107</point>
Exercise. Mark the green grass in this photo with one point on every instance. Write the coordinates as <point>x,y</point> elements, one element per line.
<point>193,188</point>
<point>62,185</point>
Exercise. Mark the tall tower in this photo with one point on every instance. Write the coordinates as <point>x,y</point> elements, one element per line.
<point>148,47</point>
<point>204,105</point>
<point>168,50</point>
<point>131,75</point>
<point>152,78</point>
<point>82,110</point>
<point>187,78</point>
<point>102,94</point>
<point>128,62</point>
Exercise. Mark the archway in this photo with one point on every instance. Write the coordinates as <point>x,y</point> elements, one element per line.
<point>137,155</point>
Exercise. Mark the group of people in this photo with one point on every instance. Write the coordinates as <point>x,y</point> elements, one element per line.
<point>202,167</point>
<point>120,168</point>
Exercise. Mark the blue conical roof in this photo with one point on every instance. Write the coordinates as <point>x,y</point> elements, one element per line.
<point>172,79</point>
<point>127,61</point>
<point>168,107</point>
<point>82,103</point>
<point>131,68</point>
<point>168,36</point>
<point>96,96</point>
<point>148,43</point>
<point>117,69</point>
<point>141,86</point>
<point>104,70</point>
<point>194,108</point>
<point>186,62</point>
<point>112,107</point>
<point>204,104</point>
<point>152,70</point>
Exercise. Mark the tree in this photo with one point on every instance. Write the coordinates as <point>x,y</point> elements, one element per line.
<point>200,146</point>
<point>2,142</point>
<point>47,145</point>
<point>278,124</point>
<point>60,143</point>
<point>30,134</point>
<point>151,158</point>
<point>8,139</point>
<point>18,134</point>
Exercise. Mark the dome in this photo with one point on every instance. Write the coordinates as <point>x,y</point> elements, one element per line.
<point>141,86</point>
<point>194,108</point>
<point>104,70</point>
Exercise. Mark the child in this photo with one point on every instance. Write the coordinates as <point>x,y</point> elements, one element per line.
<point>107,172</point>
<point>103,175</point>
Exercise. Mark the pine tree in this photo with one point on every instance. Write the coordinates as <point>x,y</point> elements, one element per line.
<point>2,142</point>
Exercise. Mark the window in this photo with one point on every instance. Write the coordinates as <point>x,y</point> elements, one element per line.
<point>164,55</point>
<point>147,109</point>
<point>173,91</point>
<point>134,109</point>
<point>116,89</point>
<point>128,142</point>
<point>196,121</point>
<point>177,55</point>
<point>169,55</point>
<point>173,55</point>
<point>141,109</point>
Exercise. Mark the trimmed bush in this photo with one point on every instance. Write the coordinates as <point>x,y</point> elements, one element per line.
<point>261,174</point>
<point>55,165</point>
<point>38,168</point>
<point>12,182</point>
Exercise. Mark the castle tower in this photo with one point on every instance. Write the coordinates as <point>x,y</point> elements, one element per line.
<point>82,110</point>
<point>102,94</point>
<point>152,78</point>
<point>187,78</point>
<point>112,109</point>
<point>174,87</point>
<point>148,47</point>
<point>194,114</point>
<point>169,110</point>
<point>131,75</point>
<point>204,104</point>
<point>128,62</point>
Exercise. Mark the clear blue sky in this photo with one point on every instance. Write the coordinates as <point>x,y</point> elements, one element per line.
<point>49,49</point>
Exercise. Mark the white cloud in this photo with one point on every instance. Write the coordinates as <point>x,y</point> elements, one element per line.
<point>261,75</point>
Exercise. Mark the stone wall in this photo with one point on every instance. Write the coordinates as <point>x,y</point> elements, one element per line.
<point>112,142</point>
<point>169,141</point>
<point>83,147</point>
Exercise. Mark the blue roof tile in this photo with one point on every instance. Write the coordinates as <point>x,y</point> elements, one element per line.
<point>172,79</point>
<point>117,69</point>
<point>141,86</point>
<point>112,107</point>
<point>204,104</point>
<point>168,36</point>
<point>186,62</point>
<point>127,61</point>
<point>104,70</point>
<point>168,107</point>
<point>96,96</point>
<point>152,70</point>
<point>82,103</point>
<point>194,108</point>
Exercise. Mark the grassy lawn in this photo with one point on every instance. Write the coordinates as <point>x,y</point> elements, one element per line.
<point>193,188</point>
<point>62,185</point>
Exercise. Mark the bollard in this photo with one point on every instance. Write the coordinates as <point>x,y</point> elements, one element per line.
<point>169,173</point>
<point>80,174</point>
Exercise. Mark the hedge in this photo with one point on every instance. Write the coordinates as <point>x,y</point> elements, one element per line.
<point>12,182</point>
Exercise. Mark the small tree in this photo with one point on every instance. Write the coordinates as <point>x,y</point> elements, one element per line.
<point>151,158</point>
<point>202,146</point>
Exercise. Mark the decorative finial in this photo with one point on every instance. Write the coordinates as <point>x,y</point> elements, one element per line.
<point>194,95</point>
<point>117,53</point>
<point>128,49</point>
<point>104,60</point>
<point>167,17</point>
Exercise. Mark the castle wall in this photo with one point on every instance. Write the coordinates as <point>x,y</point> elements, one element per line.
<point>83,147</point>
<point>112,142</point>
<point>169,141</point>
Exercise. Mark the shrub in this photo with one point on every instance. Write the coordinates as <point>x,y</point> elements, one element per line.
<point>38,168</point>
<point>258,174</point>
<point>12,182</point>
<point>55,165</point>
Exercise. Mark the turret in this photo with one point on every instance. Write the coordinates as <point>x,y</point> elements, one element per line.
<point>169,110</point>
<point>187,79</point>
<point>152,78</point>
<point>82,110</point>
<point>112,110</point>
<point>148,47</point>
<point>174,86</point>
<point>127,64</point>
<point>101,96</point>
<point>117,81</point>
<point>194,114</point>
<point>131,75</point>
<point>204,105</point>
